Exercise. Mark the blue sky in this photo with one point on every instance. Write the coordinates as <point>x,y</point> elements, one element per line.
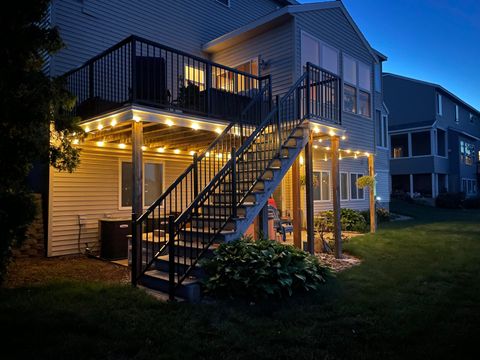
<point>432,40</point>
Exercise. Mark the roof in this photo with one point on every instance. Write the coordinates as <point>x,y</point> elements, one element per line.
<point>438,87</point>
<point>275,18</point>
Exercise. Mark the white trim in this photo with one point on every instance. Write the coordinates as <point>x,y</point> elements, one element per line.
<point>122,159</point>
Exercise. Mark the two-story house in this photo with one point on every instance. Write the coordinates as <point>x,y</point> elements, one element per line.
<point>434,140</point>
<point>196,112</point>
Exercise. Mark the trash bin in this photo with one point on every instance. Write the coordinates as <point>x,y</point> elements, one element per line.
<point>114,238</point>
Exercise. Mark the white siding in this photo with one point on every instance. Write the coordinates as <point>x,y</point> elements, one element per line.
<point>92,191</point>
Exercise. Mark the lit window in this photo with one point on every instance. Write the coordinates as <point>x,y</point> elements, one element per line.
<point>318,53</point>
<point>196,76</point>
<point>152,185</point>
<point>399,144</point>
<point>364,77</point>
<point>349,70</point>
<point>357,87</point>
<point>467,153</point>
<point>321,188</point>
<point>364,104</point>
<point>246,83</point>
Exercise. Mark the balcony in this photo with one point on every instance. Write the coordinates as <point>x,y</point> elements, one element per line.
<point>142,72</point>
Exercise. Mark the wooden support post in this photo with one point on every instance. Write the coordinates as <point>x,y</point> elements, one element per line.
<point>137,196</point>
<point>309,194</point>
<point>337,227</point>
<point>373,212</point>
<point>297,214</point>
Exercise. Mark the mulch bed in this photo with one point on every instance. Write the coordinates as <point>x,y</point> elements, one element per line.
<point>32,271</point>
<point>338,265</point>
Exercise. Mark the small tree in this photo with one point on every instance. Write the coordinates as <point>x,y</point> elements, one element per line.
<point>31,105</point>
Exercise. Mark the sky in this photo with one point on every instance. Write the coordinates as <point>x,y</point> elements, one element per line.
<point>432,40</point>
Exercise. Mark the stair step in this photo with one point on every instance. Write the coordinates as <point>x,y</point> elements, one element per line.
<point>182,264</point>
<point>189,289</point>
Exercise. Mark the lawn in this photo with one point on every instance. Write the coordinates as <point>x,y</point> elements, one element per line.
<point>416,295</point>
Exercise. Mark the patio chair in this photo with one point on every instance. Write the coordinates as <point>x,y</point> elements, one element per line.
<point>281,226</point>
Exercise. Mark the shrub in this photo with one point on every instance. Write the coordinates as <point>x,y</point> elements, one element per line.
<point>383,215</point>
<point>472,203</point>
<point>450,200</point>
<point>255,270</point>
<point>351,220</point>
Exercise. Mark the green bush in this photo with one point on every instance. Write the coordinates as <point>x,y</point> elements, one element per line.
<point>256,270</point>
<point>472,203</point>
<point>351,220</point>
<point>383,215</point>
<point>450,200</point>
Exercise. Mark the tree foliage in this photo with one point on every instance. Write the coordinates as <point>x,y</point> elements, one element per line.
<point>31,105</point>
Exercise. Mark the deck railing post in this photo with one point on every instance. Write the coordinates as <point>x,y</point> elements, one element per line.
<point>133,54</point>
<point>171,258</point>
<point>91,82</point>
<point>234,183</point>
<point>209,88</point>
<point>134,250</point>
<point>279,129</point>
<point>307,105</point>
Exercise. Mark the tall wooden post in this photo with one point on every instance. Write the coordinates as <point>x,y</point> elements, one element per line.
<point>337,227</point>
<point>309,194</point>
<point>373,213</point>
<point>263,222</point>
<point>137,197</point>
<point>297,214</point>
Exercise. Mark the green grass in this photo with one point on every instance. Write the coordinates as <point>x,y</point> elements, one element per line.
<point>416,295</point>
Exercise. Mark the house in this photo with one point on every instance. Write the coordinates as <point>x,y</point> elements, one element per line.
<point>434,140</point>
<point>196,112</point>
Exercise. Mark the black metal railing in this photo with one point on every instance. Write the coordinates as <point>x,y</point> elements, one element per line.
<point>231,184</point>
<point>143,72</point>
<point>152,227</point>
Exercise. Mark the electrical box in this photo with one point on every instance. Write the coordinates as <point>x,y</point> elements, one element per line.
<point>114,238</point>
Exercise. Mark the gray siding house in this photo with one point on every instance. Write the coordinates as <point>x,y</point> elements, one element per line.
<point>434,140</point>
<point>183,102</point>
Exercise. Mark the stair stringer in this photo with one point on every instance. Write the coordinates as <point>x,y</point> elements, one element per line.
<point>252,211</point>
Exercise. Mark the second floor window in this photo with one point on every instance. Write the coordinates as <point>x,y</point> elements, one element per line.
<point>467,152</point>
<point>399,144</point>
<point>439,104</point>
<point>319,53</point>
<point>357,78</point>
<point>457,114</point>
<point>381,129</point>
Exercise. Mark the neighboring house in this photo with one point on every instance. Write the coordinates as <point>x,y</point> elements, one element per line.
<point>216,100</point>
<point>434,139</point>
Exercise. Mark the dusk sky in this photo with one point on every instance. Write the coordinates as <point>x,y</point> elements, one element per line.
<point>432,40</point>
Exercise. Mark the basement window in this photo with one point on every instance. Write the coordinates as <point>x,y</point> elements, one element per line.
<point>321,186</point>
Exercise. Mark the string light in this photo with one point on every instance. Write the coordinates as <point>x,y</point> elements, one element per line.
<point>195,127</point>
<point>75,141</point>
<point>344,137</point>
<point>144,148</point>
<point>122,146</point>
<point>207,154</point>
<point>325,159</point>
<point>218,130</point>
<point>332,133</point>
<point>317,130</point>
<point>87,129</point>
<point>100,127</point>
<point>136,118</point>
<point>113,122</point>
<point>315,146</point>
<point>176,151</point>
<point>169,122</point>
<point>161,149</point>
<point>320,140</point>
<point>100,143</point>
<point>192,153</point>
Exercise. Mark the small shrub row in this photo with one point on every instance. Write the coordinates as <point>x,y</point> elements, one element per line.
<point>457,201</point>
<point>383,215</point>
<point>256,270</point>
<point>351,220</point>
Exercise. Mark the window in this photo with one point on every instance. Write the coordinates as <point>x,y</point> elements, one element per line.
<point>467,152</point>
<point>469,186</point>
<point>457,114</point>
<point>378,77</point>
<point>350,99</point>
<point>349,70</point>
<point>357,87</point>
<point>194,75</point>
<point>441,143</point>
<point>472,118</point>
<point>321,189</point>
<point>364,104</point>
<point>152,183</point>
<point>318,53</point>
<point>245,83</point>
<point>343,186</point>
<point>399,144</point>
<point>224,2</point>
<point>421,143</point>
<point>439,104</point>
<point>381,129</point>
<point>355,192</point>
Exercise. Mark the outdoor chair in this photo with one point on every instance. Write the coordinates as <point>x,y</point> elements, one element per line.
<point>281,226</point>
